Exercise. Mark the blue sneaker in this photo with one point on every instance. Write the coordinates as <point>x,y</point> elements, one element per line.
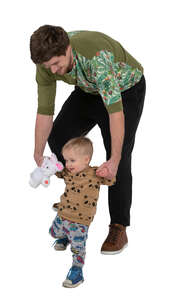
<point>61,244</point>
<point>74,277</point>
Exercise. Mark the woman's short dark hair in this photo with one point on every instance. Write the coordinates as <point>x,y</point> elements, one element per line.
<point>48,41</point>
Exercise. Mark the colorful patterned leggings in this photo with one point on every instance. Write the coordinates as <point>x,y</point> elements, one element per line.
<point>75,233</point>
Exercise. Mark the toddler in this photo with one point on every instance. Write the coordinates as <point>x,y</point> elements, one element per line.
<point>77,205</point>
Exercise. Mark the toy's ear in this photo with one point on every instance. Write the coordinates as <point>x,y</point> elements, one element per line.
<point>53,158</point>
<point>59,166</point>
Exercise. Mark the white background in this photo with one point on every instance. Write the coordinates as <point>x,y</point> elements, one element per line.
<point>30,267</point>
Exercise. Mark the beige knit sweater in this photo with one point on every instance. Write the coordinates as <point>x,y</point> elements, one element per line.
<point>79,201</point>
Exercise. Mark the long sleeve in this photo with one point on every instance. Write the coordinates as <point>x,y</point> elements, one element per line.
<point>60,174</point>
<point>105,181</point>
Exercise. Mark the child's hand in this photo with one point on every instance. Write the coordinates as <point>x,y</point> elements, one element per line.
<point>107,170</point>
<point>103,172</point>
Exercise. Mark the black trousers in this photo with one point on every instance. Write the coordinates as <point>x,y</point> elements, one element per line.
<point>79,114</point>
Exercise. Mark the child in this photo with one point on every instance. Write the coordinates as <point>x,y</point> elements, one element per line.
<point>77,207</point>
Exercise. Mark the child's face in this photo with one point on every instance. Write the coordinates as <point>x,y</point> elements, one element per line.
<point>74,161</point>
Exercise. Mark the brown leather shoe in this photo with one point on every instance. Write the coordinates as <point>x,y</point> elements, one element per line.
<point>116,240</point>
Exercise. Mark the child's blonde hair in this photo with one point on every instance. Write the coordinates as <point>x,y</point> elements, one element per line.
<point>82,145</point>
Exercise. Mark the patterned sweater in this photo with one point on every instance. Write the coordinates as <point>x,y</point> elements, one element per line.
<point>79,201</point>
<point>101,66</point>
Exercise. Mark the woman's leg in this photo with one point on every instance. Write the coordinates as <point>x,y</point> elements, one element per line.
<point>73,120</point>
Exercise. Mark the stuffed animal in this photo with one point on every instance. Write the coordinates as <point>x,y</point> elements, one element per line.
<point>41,175</point>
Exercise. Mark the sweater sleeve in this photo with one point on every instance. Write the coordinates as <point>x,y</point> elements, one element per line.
<point>105,181</point>
<point>60,174</point>
<point>106,81</point>
<point>46,91</point>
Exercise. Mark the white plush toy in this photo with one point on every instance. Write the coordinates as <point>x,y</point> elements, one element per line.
<point>41,175</point>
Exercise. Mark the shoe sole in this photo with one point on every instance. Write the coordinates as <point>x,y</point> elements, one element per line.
<point>59,249</point>
<point>67,285</point>
<point>114,252</point>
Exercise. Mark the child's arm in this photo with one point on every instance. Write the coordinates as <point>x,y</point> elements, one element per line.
<point>61,174</point>
<point>106,181</point>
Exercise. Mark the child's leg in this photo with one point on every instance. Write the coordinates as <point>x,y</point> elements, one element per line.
<point>78,237</point>
<point>56,231</point>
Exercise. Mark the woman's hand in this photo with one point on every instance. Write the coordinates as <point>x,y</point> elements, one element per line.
<point>38,159</point>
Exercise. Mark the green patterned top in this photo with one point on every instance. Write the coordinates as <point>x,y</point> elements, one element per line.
<point>101,66</point>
